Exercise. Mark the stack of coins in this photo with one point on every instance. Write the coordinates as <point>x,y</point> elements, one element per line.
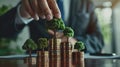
<point>38,60</point>
<point>78,59</point>
<point>57,59</point>
<point>42,59</point>
<point>66,54</point>
<point>63,55</point>
<point>26,60</point>
<point>51,57</point>
<point>54,52</point>
<point>80,56</point>
<point>74,59</point>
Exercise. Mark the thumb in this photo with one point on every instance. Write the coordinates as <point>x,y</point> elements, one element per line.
<point>51,32</point>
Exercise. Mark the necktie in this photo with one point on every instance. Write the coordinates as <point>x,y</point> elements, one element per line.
<point>60,5</point>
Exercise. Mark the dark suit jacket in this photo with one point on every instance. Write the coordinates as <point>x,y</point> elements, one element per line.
<point>82,19</point>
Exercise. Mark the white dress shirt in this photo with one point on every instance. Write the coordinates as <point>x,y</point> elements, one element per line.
<point>19,19</point>
<point>66,4</point>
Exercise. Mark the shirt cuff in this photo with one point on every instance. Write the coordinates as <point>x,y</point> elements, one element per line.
<point>19,19</point>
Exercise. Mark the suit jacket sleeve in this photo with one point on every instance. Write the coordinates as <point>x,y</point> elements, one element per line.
<point>91,36</point>
<point>8,28</point>
<point>86,28</point>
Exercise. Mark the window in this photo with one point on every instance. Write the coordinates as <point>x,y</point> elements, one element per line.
<point>104,18</point>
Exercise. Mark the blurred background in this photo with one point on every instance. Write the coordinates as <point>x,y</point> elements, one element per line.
<point>107,11</point>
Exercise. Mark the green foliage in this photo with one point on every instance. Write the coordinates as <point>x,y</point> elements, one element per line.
<point>5,52</point>
<point>79,45</point>
<point>6,49</point>
<point>4,43</point>
<point>29,45</point>
<point>62,25</point>
<point>42,43</point>
<point>4,9</point>
<point>55,24</point>
<point>68,32</point>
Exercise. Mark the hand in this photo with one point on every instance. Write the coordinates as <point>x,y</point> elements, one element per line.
<point>44,9</point>
<point>62,37</point>
<point>71,40</point>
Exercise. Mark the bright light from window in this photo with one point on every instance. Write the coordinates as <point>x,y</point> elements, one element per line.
<point>104,15</point>
<point>107,4</point>
<point>107,12</point>
<point>104,18</point>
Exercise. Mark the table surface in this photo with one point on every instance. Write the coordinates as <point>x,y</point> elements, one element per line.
<point>86,56</point>
<point>90,61</point>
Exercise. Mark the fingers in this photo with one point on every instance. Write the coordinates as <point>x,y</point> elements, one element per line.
<point>31,7</point>
<point>26,5</point>
<point>34,6</point>
<point>58,34</point>
<point>40,12</point>
<point>51,32</point>
<point>54,7</point>
<point>36,9</point>
<point>45,8</point>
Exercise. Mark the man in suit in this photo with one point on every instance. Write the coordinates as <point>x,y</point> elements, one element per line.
<point>79,14</point>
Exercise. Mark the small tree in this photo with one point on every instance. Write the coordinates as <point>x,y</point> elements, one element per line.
<point>42,43</point>
<point>79,55</point>
<point>29,45</point>
<point>79,46</point>
<point>68,32</point>
<point>55,24</point>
